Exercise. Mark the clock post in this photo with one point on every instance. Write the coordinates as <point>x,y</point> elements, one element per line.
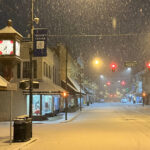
<point>10,41</point>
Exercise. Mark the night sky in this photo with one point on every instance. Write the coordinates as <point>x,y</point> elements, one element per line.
<point>115,30</point>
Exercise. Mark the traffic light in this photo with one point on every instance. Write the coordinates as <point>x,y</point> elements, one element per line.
<point>108,83</point>
<point>123,83</point>
<point>148,65</point>
<point>113,67</point>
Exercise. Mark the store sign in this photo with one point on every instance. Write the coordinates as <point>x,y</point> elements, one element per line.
<point>130,63</point>
<point>40,42</point>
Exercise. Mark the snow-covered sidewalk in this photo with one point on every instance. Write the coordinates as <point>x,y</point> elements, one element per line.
<point>60,118</point>
<point>5,130</point>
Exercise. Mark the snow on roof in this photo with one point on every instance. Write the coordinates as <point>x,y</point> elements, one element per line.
<point>9,29</point>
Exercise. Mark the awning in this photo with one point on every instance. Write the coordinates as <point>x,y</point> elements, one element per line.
<point>70,88</point>
<point>76,85</point>
<point>88,91</point>
<point>46,88</point>
<point>5,85</point>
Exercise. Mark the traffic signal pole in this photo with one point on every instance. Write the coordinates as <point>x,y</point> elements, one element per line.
<point>80,91</point>
<point>66,99</point>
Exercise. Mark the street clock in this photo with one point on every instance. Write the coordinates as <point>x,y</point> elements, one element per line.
<point>10,42</point>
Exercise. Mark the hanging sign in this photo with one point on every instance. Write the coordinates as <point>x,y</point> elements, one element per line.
<point>40,42</point>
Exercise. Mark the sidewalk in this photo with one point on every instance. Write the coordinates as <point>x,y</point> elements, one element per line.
<point>5,130</point>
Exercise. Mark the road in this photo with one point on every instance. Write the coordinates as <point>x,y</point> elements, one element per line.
<point>108,126</point>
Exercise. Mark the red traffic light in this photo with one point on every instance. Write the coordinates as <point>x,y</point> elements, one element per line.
<point>113,67</point>
<point>108,83</point>
<point>123,83</point>
<point>148,65</point>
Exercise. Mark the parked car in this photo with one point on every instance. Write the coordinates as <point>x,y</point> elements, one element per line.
<point>124,100</point>
<point>101,100</point>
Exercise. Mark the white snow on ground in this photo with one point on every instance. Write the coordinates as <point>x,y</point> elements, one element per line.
<point>103,126</point>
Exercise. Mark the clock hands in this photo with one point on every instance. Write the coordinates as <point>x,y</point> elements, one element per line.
<point>5,49</point>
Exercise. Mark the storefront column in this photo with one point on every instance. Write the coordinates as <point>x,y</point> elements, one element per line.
<point>41,105</point>
<point>52,104</point>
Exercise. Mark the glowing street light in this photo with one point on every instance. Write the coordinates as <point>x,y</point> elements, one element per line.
<point>129,69</point>
<point>101,76</point>
<point>97,62</point>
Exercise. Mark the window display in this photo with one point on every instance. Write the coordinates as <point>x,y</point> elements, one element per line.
<point>46,104</point>
<point>35,105</point>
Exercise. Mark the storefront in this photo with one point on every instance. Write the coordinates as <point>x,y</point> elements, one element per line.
<point>45,102</point>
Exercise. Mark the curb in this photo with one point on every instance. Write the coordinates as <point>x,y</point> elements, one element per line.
<point>73,117</point>
<point>25,144</point>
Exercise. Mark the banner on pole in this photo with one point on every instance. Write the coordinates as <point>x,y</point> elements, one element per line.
<point>40,42</point>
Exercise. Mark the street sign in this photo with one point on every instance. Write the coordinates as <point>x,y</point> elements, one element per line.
<point>130,63</point>
<point>40,42</point>
<point>24,84</point>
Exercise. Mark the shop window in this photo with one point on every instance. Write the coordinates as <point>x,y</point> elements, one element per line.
<point>35,105</point>
<point>47,104</point>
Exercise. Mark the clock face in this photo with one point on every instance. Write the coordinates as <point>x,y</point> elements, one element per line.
<point>6,47</point>
<point>17,48</point>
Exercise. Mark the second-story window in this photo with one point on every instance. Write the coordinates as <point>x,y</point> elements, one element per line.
<point>49,72</point>
<point>26,69</point>
<point>44,68</point>
<point>53,74</point>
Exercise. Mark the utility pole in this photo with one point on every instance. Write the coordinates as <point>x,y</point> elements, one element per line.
<point>31,53</point>
<point>66,99</point>
<point>80,90</point>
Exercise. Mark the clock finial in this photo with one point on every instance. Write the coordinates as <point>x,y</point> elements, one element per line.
<point>9,22</point>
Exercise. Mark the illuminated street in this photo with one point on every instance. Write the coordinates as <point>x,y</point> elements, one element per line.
<point>103,126</point>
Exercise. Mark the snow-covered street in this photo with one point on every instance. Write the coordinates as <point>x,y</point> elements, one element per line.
<point>105,126</point>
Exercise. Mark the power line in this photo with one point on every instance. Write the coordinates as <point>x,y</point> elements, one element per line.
<point>97,35</point>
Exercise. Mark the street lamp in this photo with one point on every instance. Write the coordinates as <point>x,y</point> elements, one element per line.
<point>97,62</point>
<point>101,76</point>
<point>36,20</point>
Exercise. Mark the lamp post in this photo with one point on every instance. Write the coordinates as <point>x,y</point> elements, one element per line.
<point>31,53</point>
<point>36,20</point>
